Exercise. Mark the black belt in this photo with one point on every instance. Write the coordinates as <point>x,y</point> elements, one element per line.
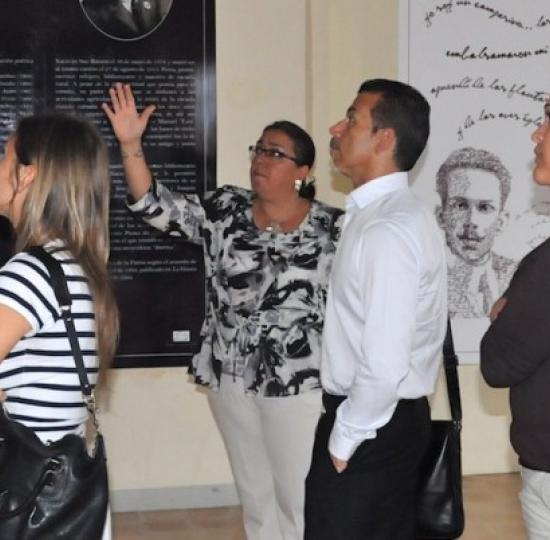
<point>331,402</point>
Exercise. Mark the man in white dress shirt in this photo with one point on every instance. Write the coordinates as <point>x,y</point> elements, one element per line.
<point>384,326</point>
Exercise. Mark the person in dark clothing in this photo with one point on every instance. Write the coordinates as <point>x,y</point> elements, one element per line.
<point>6,240</point>
<point>515,354</point>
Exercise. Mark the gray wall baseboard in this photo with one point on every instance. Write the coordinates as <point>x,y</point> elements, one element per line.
<point>143,500</point>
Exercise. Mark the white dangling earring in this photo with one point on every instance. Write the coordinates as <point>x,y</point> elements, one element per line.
<point>298,183</point>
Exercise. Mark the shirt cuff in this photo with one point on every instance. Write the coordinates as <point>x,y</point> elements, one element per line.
<point>342,442</point>
<point>144,201</point>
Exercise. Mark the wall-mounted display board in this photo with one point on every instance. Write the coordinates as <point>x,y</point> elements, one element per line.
<point>65,55</point>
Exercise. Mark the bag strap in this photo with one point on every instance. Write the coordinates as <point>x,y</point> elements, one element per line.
<point>450,362</point>
<point>59,285</point>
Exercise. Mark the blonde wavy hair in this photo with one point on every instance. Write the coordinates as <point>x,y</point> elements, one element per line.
<point>69,200</point>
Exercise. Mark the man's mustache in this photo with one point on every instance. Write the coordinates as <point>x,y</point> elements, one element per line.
<point>334,144</point>
<point>470,237</point>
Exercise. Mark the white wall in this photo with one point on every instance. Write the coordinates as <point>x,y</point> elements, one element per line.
<point>302,60</point>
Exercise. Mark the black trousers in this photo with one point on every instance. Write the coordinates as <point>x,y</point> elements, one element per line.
<point>374,498</point>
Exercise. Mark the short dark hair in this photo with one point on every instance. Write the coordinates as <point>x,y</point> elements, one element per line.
<point>405,110</point>
<point>473,158</point>
<point>304,148</point>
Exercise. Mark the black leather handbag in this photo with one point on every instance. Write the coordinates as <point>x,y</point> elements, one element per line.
<point>440,510</point>
<point>53,491</point>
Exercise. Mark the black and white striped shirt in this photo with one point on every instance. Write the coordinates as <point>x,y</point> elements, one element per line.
<point>39,374</point>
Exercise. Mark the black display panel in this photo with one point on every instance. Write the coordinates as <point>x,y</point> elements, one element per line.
<point>65,55</point>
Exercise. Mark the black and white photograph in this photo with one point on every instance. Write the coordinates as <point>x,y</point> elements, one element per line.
<point>126,19</point>
<point>474,186</point>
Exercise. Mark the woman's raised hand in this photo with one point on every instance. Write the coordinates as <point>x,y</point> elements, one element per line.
<point>127,123</point>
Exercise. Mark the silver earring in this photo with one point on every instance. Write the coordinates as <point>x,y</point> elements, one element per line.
<point>305,187</point>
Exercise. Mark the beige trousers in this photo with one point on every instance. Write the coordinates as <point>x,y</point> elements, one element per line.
<point>535,503</point>
<point>269,443</point>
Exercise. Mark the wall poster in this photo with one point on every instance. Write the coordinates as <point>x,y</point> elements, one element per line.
<point>65,55</point>
<point>483,66</point>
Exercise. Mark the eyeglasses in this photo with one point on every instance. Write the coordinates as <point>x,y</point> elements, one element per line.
<point>256,150</point>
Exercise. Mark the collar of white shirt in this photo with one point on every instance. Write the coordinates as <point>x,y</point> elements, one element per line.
<point>372,190</point>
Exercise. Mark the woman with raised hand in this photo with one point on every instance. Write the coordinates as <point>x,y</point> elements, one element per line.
<point>268,252</point>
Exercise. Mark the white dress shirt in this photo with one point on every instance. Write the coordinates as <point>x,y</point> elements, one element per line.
<point>386,309</point>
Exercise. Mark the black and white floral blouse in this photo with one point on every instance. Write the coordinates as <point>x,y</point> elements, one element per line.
<point>266,291</point>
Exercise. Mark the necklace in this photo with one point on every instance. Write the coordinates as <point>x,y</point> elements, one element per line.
<point>274,227</point>
<point>286,222</point>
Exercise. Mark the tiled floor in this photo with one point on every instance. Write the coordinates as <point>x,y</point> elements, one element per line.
<point>491,505</point>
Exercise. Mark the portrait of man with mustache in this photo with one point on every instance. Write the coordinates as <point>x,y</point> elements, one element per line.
<point>474,185</point>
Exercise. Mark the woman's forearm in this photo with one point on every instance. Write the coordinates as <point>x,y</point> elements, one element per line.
<point>137,173</point>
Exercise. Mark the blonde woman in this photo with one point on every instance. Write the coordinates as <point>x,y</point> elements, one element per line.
<point>54,188</point>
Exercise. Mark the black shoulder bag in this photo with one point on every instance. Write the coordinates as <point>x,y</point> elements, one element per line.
<point>440,511</point>
<point>58,490</point>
